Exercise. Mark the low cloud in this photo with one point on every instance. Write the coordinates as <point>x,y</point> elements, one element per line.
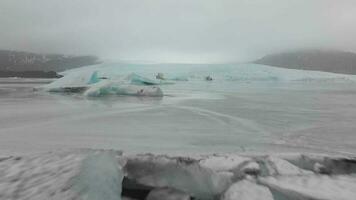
<point>176,30</point>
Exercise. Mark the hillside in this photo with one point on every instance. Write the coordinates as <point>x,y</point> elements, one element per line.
<point>320,60</point>
<point>25,64</point>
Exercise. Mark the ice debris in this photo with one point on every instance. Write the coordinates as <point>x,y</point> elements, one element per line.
<point>247,190</point>
<point>179,173</point>
<point>101,174</point>
<point>316,187</point>
<point>167,194</point>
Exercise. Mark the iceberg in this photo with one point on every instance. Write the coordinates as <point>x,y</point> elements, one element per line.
<point>72,82</point>
<point>107,87</point>
<point>91,85</point>
<point>140,80</point>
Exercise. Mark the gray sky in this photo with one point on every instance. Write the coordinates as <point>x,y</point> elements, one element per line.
<point>176,30</point>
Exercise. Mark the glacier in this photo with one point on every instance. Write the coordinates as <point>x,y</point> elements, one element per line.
<point>119,79</point>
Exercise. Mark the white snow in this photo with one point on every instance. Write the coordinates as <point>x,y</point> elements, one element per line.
<point>314,186</point>
<point>60,176</point>
<point>223,163</point>
<point>247,190</point>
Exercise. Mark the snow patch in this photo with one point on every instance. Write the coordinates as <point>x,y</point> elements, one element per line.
<point>313,187</point>
<point>247,190</point>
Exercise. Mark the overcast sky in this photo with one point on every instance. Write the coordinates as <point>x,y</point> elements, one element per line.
<point>176,30</point>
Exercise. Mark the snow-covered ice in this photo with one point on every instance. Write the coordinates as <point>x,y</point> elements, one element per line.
<point>107,174</point>
<point>339,187</point>
<point>79,174</point>
<point>247,190</point>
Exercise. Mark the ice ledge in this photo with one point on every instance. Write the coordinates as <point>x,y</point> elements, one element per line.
<point>101,174</point>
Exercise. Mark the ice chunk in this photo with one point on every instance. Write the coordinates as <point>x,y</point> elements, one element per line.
<point>71,82</point>
<point>100,177</point>
<point>167,194</point>
<point>140,80</point>
<point>179,173</point>
<point>324,163</point>
<point>247,190</point>
<point>102,88</point>
<point>107,87</point>
<point>284,167</point>
<point>223,163</point>
<point>276,166</point>
<point>251,168</point>
<point>151,91</point>
<point>313,186</point>
<point>94,78</point>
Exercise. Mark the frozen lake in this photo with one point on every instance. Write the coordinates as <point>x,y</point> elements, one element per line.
<point>246,108</point>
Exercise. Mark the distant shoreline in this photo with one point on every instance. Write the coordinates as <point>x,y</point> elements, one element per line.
<point>317,60</point>
<point>29,74</point>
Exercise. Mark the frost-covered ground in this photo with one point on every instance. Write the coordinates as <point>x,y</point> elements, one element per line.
<point>248,115</point>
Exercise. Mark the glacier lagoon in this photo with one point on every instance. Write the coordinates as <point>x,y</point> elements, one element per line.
<point>246,108</point>
<point>253,132</point>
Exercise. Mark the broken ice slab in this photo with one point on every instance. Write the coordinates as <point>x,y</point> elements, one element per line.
<point>316,187</point>
<point>184,174</point>
<point>324,164</point>
<point>224,162</point>
<point>247,190</point>
<point>272,166</point>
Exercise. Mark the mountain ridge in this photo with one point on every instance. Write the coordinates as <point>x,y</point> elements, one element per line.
<point>319,60</point>
<point>34,65</point>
